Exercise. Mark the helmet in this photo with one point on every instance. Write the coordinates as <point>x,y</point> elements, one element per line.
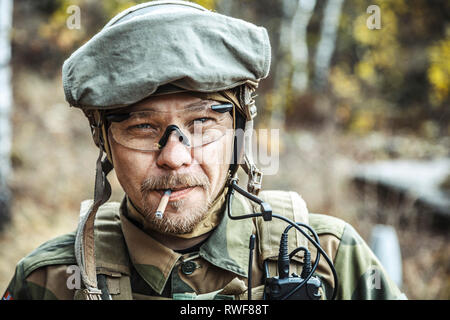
<point>156,48</point>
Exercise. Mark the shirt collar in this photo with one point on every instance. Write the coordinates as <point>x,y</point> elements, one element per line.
<point>226,248</point>
<point>153,261</point>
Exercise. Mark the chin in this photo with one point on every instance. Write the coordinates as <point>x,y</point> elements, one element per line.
<point>181,216</point>
<point>180,221</point>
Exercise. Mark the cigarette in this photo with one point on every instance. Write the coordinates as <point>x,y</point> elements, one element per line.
<point>163,204</point>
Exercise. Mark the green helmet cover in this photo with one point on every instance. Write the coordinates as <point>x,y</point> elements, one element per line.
<point>160,43</point>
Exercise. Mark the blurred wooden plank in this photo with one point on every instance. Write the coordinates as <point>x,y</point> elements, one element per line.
<point>420,179</point>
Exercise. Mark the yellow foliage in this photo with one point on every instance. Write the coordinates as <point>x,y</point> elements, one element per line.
<point>114,7</point>
<point>376,38</point>
<point>208,4</point>
<point>439,70</point>
<point>365,69</point>
<point>386,57</point>
<point>56,30</point>
<point>397,6</point>
<point>344,85</point>
<point>382,46</point>
<point>363,122</point>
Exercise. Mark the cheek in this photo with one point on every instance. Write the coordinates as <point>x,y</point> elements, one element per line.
<point>214,160</point>
<point>131,167</point>
<point>215,154</point>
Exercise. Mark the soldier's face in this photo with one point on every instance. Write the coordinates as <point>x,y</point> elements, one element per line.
<point>196,175</point>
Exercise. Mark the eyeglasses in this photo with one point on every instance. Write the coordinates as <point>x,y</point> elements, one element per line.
<point>150,130</point>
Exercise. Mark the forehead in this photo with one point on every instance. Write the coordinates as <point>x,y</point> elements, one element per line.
<point>171,103</point>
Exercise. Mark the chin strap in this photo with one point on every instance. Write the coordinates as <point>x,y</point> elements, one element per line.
<point>243,100</point>
<point>84,241</point>
<point>254,174</point>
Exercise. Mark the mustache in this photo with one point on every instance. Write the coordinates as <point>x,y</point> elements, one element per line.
<point>174,181</point>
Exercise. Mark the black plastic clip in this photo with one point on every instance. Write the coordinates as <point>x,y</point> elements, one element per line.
<point>266,211</point>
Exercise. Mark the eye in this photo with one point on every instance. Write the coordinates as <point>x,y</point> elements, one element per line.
<point>203,120</point>
<point>143,126</point>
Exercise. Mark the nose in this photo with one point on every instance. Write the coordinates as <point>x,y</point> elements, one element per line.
<point>174,154</point>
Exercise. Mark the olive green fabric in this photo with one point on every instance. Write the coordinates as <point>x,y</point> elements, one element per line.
<point>190,48</point>
<point>156,272</point>
<point>286,204</point>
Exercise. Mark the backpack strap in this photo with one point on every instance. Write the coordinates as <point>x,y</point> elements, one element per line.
<point>290,205</point>
<point>111,254</point>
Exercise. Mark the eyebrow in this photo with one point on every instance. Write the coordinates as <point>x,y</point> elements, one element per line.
<point>199,105</point>
<point>195,106</point>
<point>192,107</point>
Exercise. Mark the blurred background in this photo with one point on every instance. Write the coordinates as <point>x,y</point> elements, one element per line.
<point>358,89</point>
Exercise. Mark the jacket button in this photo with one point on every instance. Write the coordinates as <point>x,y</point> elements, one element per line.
<point>188,267</point>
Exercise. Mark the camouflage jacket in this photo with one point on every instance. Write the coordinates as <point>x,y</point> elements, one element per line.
<point>136,266</point>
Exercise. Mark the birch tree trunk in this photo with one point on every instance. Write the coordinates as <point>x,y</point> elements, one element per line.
<point>6,11</point>
<point>299,45</point>
<point>327,43</point>
<point>284,63</point>
<point>323,102</point>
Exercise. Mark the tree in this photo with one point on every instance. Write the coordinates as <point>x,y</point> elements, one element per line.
<point>284,63</point>
<point>324,52</point>
<point>327,43</point>
<point>299,45</point>
<point>5,108</point>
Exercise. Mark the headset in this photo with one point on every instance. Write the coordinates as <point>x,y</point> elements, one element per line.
<point>284,286</point>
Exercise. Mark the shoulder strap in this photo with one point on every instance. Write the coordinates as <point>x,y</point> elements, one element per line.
<point>323,224</point>
<point>111,254</point>
<point>290,205</point>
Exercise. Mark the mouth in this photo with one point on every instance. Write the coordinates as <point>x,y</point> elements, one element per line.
<point>177,192</point>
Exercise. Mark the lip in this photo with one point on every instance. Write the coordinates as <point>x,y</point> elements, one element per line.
<point>177,194</point>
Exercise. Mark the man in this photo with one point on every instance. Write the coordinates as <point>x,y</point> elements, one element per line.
<point>168,87</point>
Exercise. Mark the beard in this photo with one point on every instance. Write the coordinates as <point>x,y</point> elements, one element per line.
<point>190,213</point>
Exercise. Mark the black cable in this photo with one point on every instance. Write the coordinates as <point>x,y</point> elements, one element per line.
<point>230,193</point>
<point>307,272</point>
<point>283,261</point>
<point>318,247</point>
<point>266,274</point>
<point>245,193</point>
<point>316,237</point>
<point>294,252</point>
<point>250,266</point>
<point>316,262</point>
<point>306,261</point>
